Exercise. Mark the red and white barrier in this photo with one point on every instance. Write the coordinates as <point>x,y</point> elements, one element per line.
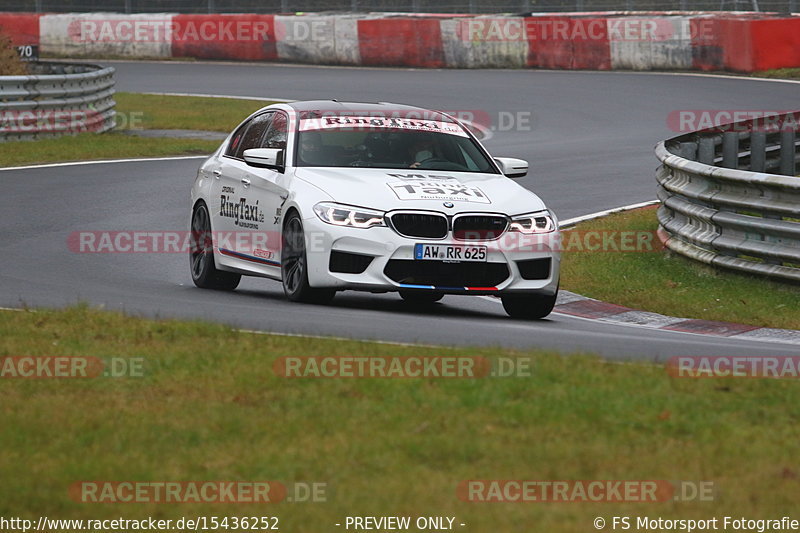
<point>484,42</point>
<point>21,28</point>
<point>599,41</point>
<point>106,34</point>
<point>643,43</point>
<point>568,42</point>
<point>239,37</point>
<point>401,41</point>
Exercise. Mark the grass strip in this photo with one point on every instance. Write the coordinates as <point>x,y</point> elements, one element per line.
<point>139,111</point>
<point>150,111</point>
<point>210,407</point>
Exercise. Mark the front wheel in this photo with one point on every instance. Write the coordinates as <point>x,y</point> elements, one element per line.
<point>294,266</point>
<point>201,256</point>
<point>529,306</point>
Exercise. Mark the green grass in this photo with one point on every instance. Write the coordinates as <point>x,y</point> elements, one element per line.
<point>672,285</point>
<point>87,146</point>
<point>149,111</point>
<point>781,73</point>
<point>211,408</point>
<point>142,112</point>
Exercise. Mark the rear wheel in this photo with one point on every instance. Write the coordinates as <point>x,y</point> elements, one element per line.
<point>421,297</point>
<point>529,306</point>
<point>294,265</point>
<point>201,256</point>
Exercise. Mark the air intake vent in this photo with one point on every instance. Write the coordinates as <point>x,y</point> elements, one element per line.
<point>534,268</point>
<point>419,225</point>
<point>479,227</point>
<point>441,274</point>
<point>347,263</point>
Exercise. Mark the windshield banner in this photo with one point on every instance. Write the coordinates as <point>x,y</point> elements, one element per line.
<point>366,123</point>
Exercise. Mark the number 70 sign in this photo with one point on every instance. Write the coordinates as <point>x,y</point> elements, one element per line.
<point>28,52</point>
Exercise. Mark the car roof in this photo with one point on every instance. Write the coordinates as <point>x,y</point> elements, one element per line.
<point>334,107</point>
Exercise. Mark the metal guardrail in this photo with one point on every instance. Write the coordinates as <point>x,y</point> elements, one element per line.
<point>719,204</point>
<point>58,99</point>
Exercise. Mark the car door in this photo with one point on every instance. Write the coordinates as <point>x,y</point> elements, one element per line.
<point>222,188</point>
<point>268,189</point>
<point>239,217</point>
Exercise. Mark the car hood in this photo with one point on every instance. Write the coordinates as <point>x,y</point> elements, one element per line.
<point>389,189</point>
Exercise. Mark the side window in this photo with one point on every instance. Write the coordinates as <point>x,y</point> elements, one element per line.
<point>252,137</point>
<point>277,134</point>
<point>236,139</point>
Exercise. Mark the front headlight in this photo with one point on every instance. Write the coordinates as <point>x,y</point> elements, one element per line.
<point>345,215</point>
<point>530,223</point>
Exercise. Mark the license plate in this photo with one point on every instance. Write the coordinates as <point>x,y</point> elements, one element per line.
<point>448,252</point>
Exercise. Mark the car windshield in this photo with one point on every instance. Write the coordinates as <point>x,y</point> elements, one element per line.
<point>388,143</point>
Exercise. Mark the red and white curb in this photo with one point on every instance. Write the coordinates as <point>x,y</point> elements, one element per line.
<point>575,305</point>
<point>578,306</point>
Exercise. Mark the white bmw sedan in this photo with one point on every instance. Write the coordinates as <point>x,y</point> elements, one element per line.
<point>326,196</point>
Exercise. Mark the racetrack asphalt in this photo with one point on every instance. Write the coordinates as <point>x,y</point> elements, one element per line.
<point>590,146</point>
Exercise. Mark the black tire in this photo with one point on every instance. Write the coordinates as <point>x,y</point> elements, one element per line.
<point>201,255</point>
<point>421,297</point>
<point>294,265</point>
<point>529,306</point>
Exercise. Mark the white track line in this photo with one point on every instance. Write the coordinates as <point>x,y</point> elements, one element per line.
<point>583,218</point>
<point>105,161</point>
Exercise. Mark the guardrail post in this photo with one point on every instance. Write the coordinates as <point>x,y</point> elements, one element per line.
<point>730,149</point>
<point>758,151</point>
<point>788,167</point>
<point>688,150</point>
<point>705,150</point>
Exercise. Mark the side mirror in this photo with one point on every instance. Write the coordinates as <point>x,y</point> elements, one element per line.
<point>264,158</point>
<point>511,167</point>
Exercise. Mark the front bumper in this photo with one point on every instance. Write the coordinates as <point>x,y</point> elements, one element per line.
<point>392,266</point>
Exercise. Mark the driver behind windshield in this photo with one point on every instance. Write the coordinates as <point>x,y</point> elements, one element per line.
<point>311,148</point>
<point>422,149</point>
